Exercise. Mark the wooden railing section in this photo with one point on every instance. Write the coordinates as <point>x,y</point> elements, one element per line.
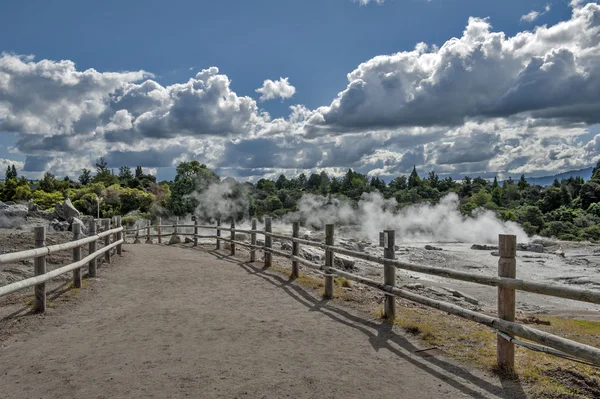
<point>506,282</point>
<point>40,252</point>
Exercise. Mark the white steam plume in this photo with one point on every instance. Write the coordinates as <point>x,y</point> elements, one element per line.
<point>422,222</point>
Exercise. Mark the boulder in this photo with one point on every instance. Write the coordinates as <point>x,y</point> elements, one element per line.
<point>311,254</point>
<point>175,239</point>
<point>432,248</point>
<point>530,247</point>
<point>12,210</point>
<point>59,211</point>
<point>483,247</point>
<point>69,211</point>
<point>188,240</point>
<point>286,246</point>
<point>343,262</point>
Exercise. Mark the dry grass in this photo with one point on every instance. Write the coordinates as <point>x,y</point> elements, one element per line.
<point>545,376</point>
<point>474,344</point>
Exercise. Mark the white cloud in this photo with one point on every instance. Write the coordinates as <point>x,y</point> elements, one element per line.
<point>551,72</point>
<point>276,89</point>
<point>365,2</point>
<point>533,15</point>
<point>530,16</point>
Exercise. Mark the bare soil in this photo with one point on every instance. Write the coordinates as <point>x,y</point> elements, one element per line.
<point>168,322</point>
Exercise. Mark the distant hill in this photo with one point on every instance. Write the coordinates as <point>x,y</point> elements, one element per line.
<point>548,180</point>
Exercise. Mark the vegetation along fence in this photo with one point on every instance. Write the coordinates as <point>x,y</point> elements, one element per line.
<point>506,281</point>
<point>40,252</point>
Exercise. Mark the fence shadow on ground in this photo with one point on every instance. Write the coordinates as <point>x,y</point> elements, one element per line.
<point>381,335</point>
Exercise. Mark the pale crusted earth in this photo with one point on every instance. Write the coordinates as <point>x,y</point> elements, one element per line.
<point>171,322</point>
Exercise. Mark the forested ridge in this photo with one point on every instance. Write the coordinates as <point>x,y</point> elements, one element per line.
<point>568,209</point>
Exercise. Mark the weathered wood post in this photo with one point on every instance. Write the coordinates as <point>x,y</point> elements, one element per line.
<point>158,230</point>
<point>232,236</point>
<point>389,273</point>
<point>253,242</point>
<point>148,236</point>
<point>295,249</point>
<point>39,235</point>
<point>381,240</point>
<point>137,234</point>
<point>106,224</point>
<point>119,237</point>
<point>507,267</point>
<point>218,233</point>
<point>76,255</point>
<point>91,250</point>
<point>196,231</point>
<point>268,243</point>
<point>329,228</point>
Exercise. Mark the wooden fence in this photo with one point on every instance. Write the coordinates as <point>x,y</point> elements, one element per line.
<point>506,282</point>
<point>40,252</point>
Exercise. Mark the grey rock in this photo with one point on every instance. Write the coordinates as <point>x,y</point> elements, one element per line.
<point>344,262</point>
<point>432,248</point>
<point>188,240</point>
<point>241,237</point>
<point>530,247</point>
<point>483,247</point>
<point>175,239</point>
<point>286,246</point>
<point>78,221</point>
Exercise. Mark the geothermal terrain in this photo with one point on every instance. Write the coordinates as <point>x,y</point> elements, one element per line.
<point>547,261</point>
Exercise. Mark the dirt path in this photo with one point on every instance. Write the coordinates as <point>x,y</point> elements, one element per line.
<point>167,322</point>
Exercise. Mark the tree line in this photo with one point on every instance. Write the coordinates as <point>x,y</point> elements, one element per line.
<point>568,209</point>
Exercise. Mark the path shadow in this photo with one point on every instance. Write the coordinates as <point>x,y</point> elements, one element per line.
<point>381,335</point>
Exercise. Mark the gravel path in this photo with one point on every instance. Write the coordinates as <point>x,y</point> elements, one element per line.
<point>168,322</point>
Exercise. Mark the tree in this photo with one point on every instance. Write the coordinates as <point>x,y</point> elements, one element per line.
<point>48,183</point>
<point>314,182</point>
<point>523,183</point>
<point>495,183</point>
<point>324,184</point>
<point>414,180</point>
<point>399,183</point>
<point>434,179</point>
<point>191,177</point>
<point>139,173</point>
<point>11,173</point>
<point>125,175</point>
<point>86,177</point>
<point>281,182</point>
<point>101,165</point>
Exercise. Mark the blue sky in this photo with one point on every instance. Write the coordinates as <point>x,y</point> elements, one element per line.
<point>313,43</point>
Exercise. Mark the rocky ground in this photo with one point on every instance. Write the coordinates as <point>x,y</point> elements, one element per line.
<point>575,264</point>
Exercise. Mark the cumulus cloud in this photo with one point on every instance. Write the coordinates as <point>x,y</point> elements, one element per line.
<point>276,89</point>
<point>551,72</point>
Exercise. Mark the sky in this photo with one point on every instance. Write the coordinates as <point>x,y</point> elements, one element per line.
<point>258,88</point>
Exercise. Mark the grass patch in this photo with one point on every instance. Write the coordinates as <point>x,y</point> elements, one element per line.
<point>472,343</point>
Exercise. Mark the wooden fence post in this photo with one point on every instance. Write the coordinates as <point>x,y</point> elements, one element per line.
<point>39,234</point>
<point>196,231</point>
<point>268,243</point>
<point>253,242</point>
<point>119,236</point>
<point>148,227</point>
<point>158,230</point>
<point>381,240</point>
<point>295,249</point>
<point>91,250</point>
<point>76,255</point>
<point>137,234</point>
<point>389,274</point>
<point>507,267</point>
<point>232,236</point>
<point>218,233</point>
<point>106,223</point>
<point>328,261</point>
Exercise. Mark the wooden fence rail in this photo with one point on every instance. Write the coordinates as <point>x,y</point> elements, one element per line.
<point>506,283</point>
<point>41,251</point>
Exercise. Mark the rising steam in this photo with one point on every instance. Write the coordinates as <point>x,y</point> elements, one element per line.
<point>373,213</point>
<point>416,223</point>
